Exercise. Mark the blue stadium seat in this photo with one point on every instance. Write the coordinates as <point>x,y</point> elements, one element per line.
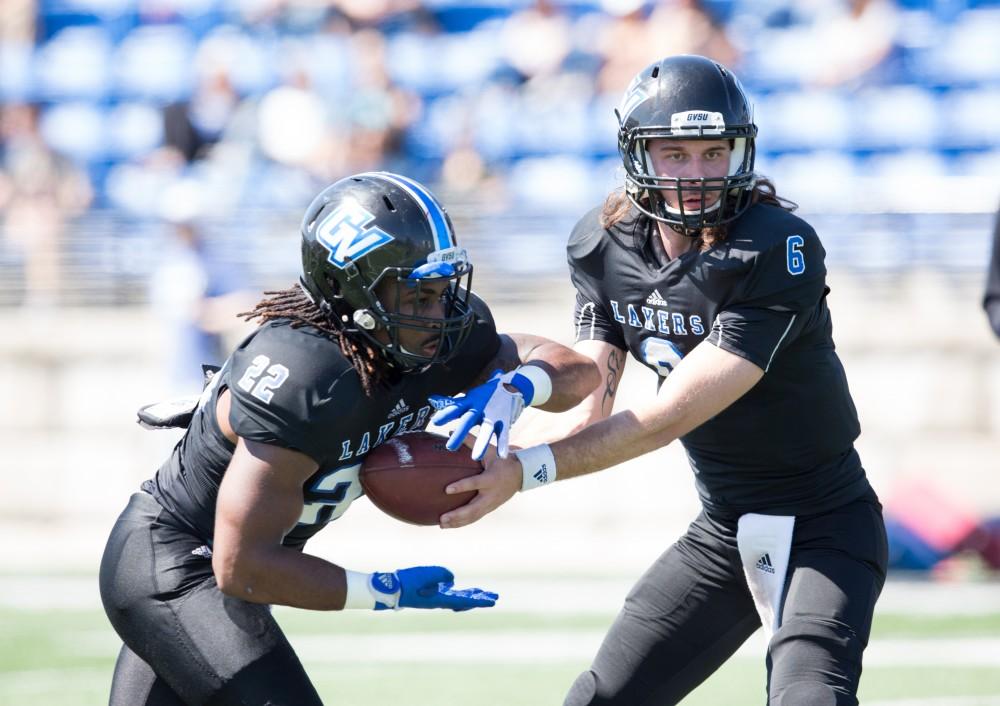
<point>77,130</point>
<point>812,119</point>
<point>155,62</point>
<point>893,117</point>
<point>17,83</point>
<point>74,64</point>
<point>134,130</point>
<point>457,17</point>
<point>969,118</point>
<point>969,51</point>
<point>564,182</point>
<point>441,63</point>
<point>818,180</point>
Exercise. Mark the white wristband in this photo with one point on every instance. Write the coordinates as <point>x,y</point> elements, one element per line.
<point>538,466</point>
<point>540,381</point>
<point>359,595</point>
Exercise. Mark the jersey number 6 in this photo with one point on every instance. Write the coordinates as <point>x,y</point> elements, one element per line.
<point>793,252</point>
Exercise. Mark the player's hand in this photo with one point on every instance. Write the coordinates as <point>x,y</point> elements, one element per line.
<point>426,587</point>
<point>491,405</point>
<point>496,485</point>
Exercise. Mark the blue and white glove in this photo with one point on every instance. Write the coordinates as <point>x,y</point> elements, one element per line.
<point>416,587</point>
<point>492,407</point>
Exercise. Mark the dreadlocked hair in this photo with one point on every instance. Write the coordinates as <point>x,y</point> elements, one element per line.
<point>617,206</point>
<point>293,304</point>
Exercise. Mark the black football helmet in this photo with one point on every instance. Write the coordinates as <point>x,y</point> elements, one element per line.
<point>367,228</point>
<point>694,98</point>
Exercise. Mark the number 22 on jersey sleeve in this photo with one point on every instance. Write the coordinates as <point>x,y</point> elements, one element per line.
<point>263,388</point>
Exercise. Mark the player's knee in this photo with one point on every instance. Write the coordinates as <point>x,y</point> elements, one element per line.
<point>819,644</point>
<point>810,693</point>
<point>814,662</point>
<point>587,691</point>
<point>583,692</point>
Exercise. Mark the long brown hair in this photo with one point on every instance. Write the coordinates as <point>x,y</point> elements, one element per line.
<point>617,206</point>
<point>293,304</point>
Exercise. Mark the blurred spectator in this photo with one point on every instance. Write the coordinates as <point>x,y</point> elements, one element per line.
<point>39,191</point>
<point>371,13</point>
<point>832,42</point>
<point>633,41</point>
<point>379,111</point>
<point>194,126</point>
<point>536,40</point>
<point>688,27</point>
<point>853,40</point>
<point>195,297</point>
<point>294,128</point>
<point>991,302</point>
<point>17,21</point>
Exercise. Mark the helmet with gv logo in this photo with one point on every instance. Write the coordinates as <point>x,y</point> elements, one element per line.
<point>369,228</point>
<point>687,97</point>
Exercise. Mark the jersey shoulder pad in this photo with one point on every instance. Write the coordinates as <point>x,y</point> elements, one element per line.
<point>287,384</point>
<point>787,263</point>
<point>765,226</point>
<point>586,235</point>
<point>480,308</point>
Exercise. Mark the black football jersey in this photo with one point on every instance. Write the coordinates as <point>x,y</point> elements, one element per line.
<point>787,446</point>
<point>293,387</point>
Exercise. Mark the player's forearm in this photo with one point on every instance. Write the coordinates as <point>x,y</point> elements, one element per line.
<point>573,376</point>
<point>706,383</point>
<point>619,438</point>
<point>543,428</point>
<point>281,576</point>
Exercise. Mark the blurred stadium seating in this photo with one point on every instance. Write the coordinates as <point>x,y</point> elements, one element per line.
<point>260,102</point>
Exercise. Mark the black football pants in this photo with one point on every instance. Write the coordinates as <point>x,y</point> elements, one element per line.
<point>185,641</point>
<point>692,609</point>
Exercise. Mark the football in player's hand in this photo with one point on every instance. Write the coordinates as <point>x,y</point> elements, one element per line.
<point>406,476</point>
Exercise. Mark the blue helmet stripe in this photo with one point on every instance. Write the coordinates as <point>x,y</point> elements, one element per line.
<point>443,237</point>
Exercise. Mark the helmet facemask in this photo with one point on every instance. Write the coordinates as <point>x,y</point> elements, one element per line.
<point>681,98</point>
<point>390,312</point>
<point>645,188</point>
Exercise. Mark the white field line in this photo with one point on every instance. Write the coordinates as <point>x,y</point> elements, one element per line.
<point>551,646</point>
<point>985,700</point>
<point>530,647</point>
<point>568,595</point>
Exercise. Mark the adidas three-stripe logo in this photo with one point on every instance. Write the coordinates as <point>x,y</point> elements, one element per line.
<point>656,299</point>
<point>764,564</point>
<point>400,407</point>
<point>542,474</point>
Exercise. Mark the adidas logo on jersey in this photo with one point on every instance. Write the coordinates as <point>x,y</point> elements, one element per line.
<point>656,299</point>
<point>399,409</point>
<point>764,564</point>
<point>204,551</point>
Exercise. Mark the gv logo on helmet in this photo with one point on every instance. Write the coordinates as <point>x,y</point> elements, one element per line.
<point>344,234</point>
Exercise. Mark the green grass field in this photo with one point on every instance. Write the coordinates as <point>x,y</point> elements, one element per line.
<point>66,656</point>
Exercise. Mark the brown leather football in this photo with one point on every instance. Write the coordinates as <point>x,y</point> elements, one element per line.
<point>406,476</point>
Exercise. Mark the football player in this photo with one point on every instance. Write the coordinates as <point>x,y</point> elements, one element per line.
<point>991,299</point>
<point>383,316</point>
<point>702,273</point>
